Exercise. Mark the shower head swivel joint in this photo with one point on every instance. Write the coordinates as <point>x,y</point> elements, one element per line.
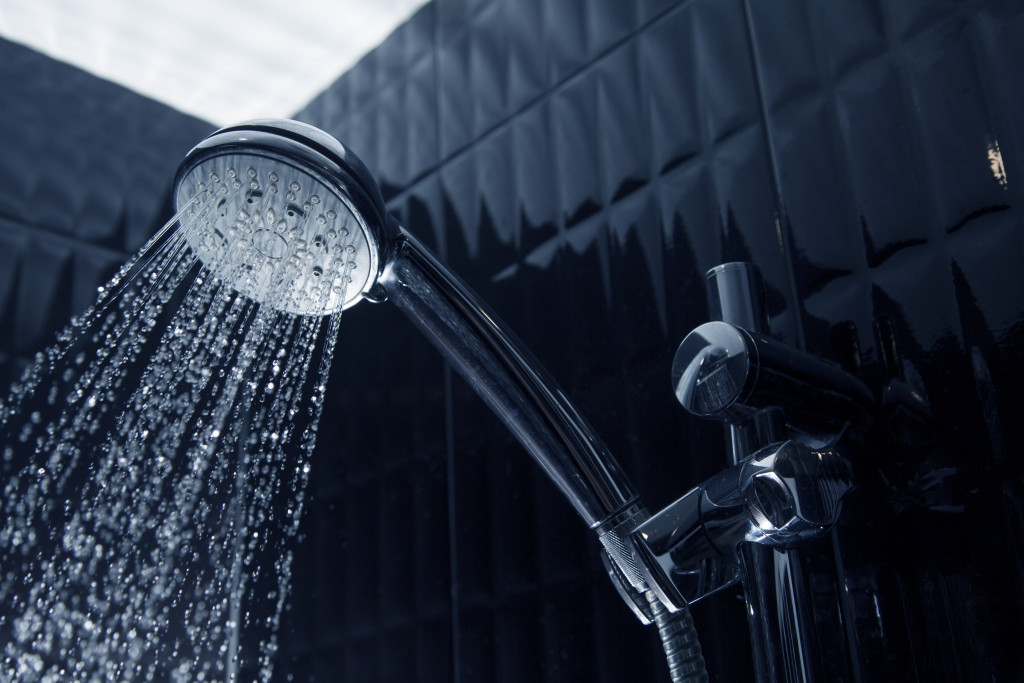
<point>284,214</point>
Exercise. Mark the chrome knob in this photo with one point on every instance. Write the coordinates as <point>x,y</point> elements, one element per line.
<point>725,372</point>
<point>711,369</point>
<point>782,496</point>
<point>793,492</point>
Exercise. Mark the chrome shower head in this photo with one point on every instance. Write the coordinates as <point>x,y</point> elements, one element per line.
<point>284,214</point>
<point>261,200</point>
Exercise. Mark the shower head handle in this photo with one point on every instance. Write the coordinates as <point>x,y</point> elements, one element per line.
<point>509,379</point>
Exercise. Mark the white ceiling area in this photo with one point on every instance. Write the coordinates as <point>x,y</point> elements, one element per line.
<point>220,60</point>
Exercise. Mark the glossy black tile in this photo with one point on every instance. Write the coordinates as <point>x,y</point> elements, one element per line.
<point>488,59</point>
<point>622,111</point>
<point>582,164</point>
<point>578,160</point>
<point>455,107</point>
<point>527,66</point>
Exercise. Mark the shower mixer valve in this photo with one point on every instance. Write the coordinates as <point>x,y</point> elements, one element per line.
<point>787,409</point>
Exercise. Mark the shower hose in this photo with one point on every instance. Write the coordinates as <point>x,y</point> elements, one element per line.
<point>679,639</point>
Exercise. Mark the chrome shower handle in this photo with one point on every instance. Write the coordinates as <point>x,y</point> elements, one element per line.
<point>507,377</point>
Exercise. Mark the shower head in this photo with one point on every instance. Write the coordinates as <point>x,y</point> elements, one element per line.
<point>284,214</point>
<point>288,216</point>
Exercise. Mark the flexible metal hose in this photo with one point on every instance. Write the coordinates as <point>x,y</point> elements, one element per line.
<point>679,639</point>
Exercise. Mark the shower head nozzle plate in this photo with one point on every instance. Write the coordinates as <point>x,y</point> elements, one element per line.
<point>284,219</point>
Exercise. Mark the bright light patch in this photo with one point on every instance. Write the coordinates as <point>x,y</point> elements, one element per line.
<point>995,162</point>
<point>218,60</point>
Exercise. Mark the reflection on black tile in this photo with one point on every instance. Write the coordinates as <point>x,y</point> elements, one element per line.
<point>528,59</point>
<point>622,111</point>
<point>420,98</point>
<point>884,162</point>
<point>488,68</point>
<point>669,77</point>
<point>785,43</point>
<point>455,104</point>
<point>537,195</point>
<point>564,27</point>
<point>575,128</point>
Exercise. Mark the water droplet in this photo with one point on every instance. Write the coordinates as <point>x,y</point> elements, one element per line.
<point>153,440</point>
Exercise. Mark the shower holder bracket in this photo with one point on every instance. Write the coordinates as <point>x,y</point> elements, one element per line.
<point>784,495</point>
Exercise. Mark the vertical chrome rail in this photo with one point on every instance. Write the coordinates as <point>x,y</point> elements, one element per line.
<point>779,612</point>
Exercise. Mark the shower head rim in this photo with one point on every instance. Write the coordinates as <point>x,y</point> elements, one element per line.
<point>310,148</point>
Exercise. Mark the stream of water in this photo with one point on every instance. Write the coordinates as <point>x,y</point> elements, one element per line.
<point>156,461</point>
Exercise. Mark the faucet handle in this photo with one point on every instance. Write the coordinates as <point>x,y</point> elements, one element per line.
<point>792,492</point>
<point>725,372</point>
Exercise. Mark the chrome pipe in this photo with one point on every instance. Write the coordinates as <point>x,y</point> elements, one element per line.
<point>779,612</point>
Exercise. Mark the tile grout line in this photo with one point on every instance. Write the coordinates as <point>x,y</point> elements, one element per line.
<point>780,215</point>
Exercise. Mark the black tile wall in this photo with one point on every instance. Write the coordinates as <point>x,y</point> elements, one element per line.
<point>582,164</point>
<point>85,176</point>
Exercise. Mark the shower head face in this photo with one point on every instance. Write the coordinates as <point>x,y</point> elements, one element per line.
<point>283,214</point>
